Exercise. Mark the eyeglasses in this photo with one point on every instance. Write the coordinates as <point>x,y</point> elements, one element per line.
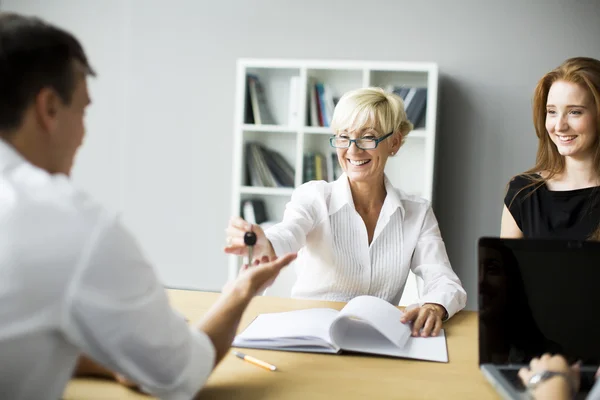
<point>362,143</point>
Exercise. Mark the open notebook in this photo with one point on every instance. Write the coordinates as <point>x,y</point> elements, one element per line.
<point>366,324</point>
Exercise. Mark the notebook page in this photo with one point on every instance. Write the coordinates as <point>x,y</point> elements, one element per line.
<point>361,337</point>
<point>301,327</point>
<point>376,312</point>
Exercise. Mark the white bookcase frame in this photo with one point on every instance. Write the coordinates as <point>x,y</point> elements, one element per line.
<point>412,169</point>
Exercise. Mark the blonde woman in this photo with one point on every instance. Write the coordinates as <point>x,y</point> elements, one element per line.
<point>360,235</point>
<point>560,197</point>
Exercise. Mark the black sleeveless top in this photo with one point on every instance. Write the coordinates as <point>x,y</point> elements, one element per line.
<point>542,213</point>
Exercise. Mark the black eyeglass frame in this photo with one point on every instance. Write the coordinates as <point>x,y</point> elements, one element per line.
<point>355,141</point>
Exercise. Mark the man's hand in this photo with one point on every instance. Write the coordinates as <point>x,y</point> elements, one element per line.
<point>429,317</point>
<point>255,279</point>
<point>555,363</point>
<point>221,321</point>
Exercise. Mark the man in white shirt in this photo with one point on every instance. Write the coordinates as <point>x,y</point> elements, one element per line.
<point>72,279</point>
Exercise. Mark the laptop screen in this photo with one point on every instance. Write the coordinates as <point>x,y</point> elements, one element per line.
<point>537,296</point>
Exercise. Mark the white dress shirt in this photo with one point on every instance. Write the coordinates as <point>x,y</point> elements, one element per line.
<point>73,281</point>
<point>336,262</point>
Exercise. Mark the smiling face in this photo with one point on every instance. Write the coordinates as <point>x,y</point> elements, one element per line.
<point>365,165</point>
<point>368,113</point>
<point>571,120</point>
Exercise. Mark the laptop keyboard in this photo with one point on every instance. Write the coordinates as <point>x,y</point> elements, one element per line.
<point>512,375</point>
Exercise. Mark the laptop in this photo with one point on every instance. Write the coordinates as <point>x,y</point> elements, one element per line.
<point>538,296</point>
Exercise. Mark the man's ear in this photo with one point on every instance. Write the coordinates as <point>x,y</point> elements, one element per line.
<point>47,104</point>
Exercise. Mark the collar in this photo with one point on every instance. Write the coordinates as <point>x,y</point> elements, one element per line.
<point>9,156</point>
<point>393,197</point>
<point>342,195</point>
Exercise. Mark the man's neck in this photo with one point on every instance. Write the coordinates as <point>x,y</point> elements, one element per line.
<point>30,149</point>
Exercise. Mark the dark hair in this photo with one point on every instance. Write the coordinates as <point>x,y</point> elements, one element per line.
<point>34,55</point>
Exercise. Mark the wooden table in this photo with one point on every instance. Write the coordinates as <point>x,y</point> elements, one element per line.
<point>323,376</point>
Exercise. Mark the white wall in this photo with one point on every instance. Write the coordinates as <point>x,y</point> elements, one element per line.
<point>161,125</point>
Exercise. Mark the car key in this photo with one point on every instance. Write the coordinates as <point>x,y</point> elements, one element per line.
<point>250,241</point>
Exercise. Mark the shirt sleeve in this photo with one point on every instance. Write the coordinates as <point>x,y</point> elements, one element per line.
<point>118,313</point>
<point>289,236</point>
<point>431,263</point>
<point>514,198</point>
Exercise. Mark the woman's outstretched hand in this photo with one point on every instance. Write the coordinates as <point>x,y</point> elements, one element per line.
<point>235,232</point>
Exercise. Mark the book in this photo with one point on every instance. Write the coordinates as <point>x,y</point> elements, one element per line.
<point>329,160</point>
<point>258,99</point>
<point>416,109</point>
<point>325,117</point>
<point>248,111</point>
<point>294,103</point>
<point>319,167</point>
<point>258,170</point>
<point>366,324</point>
<point>313,115</point>
<point>281,170</point>
<point>309,173</point>
<point>253,211</point>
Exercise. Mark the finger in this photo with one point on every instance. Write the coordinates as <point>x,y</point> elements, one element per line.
<point>235,241</point>
<point>437,328</point>
<point>409,315</point>
<point>524,375</point>
<point>236,250</point>
<point>240,223</point>
<point>420,321</point>
<point>429,324</point>
<point>284,260</point>
<point>235,232</point>
<point>268,271</point>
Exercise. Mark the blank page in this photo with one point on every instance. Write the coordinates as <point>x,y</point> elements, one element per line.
<point>379,314</point>
<point>361,337</point>
<point>301,327</point>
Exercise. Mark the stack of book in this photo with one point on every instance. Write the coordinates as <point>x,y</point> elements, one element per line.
<point>415,103</point>
<point>257,109</point>
<point>253,211</point>
<point>267,168</point>
<point>318,167</point>
<point>321,103</point>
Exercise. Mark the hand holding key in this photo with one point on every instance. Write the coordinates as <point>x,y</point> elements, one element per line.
<point>238,243</point>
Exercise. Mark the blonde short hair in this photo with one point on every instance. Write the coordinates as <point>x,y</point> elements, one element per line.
<point>371,107</point>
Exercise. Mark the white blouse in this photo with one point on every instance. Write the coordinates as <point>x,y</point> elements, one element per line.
<point>335,261</point>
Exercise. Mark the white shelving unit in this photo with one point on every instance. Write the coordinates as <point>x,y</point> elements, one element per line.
<point>411,169</point>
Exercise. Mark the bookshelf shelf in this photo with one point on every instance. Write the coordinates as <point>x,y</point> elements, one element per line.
<point>268,128</point>
<point>294,100</point>
<point>317,130</point>
<point>267,191</point>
